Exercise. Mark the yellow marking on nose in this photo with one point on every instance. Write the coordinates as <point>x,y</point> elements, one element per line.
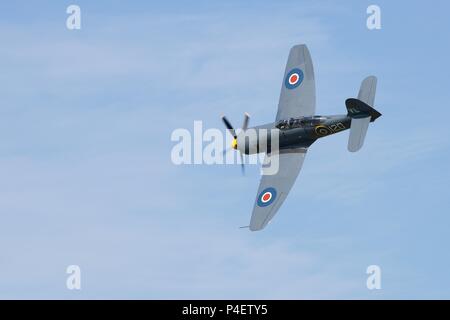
<point>234,144</point>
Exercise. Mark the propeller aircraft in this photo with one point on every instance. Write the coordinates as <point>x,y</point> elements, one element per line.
<point>298,127</point>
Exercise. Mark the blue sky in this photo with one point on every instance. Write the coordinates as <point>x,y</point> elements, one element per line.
<point>86,175</point>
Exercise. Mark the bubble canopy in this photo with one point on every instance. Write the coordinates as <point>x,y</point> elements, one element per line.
<point>300,122</point>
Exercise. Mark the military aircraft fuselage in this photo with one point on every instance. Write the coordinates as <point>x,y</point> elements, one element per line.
<point>305,135</point>
<point>292,133</point>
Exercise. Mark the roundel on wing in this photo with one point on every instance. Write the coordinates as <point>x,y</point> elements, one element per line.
<point>267,197</point>
<point>293,78</point>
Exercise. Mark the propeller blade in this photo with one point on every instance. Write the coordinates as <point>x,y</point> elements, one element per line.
<point>246,119</point>
<point>242,164</point>
<point>233,133</point>
<point>229,126</point>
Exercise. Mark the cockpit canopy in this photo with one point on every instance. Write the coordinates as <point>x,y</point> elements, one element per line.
<point>300,122</point>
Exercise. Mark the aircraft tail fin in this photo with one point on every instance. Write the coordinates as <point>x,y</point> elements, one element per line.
<point>362,113</point>
<point>367,90</point>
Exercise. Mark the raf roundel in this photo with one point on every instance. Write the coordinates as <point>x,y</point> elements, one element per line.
<point>267,197</point>
<point>293,78</point>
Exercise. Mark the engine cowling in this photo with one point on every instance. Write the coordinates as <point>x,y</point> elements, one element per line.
<point>254,141</point>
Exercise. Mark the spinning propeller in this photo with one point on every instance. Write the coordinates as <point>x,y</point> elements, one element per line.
<point>233,133</point>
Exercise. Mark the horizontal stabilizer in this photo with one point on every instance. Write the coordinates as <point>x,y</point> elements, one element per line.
<point>358,130</point>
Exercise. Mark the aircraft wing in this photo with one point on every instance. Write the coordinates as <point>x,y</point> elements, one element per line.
<point>273,189</point>
<point>298,91</point>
